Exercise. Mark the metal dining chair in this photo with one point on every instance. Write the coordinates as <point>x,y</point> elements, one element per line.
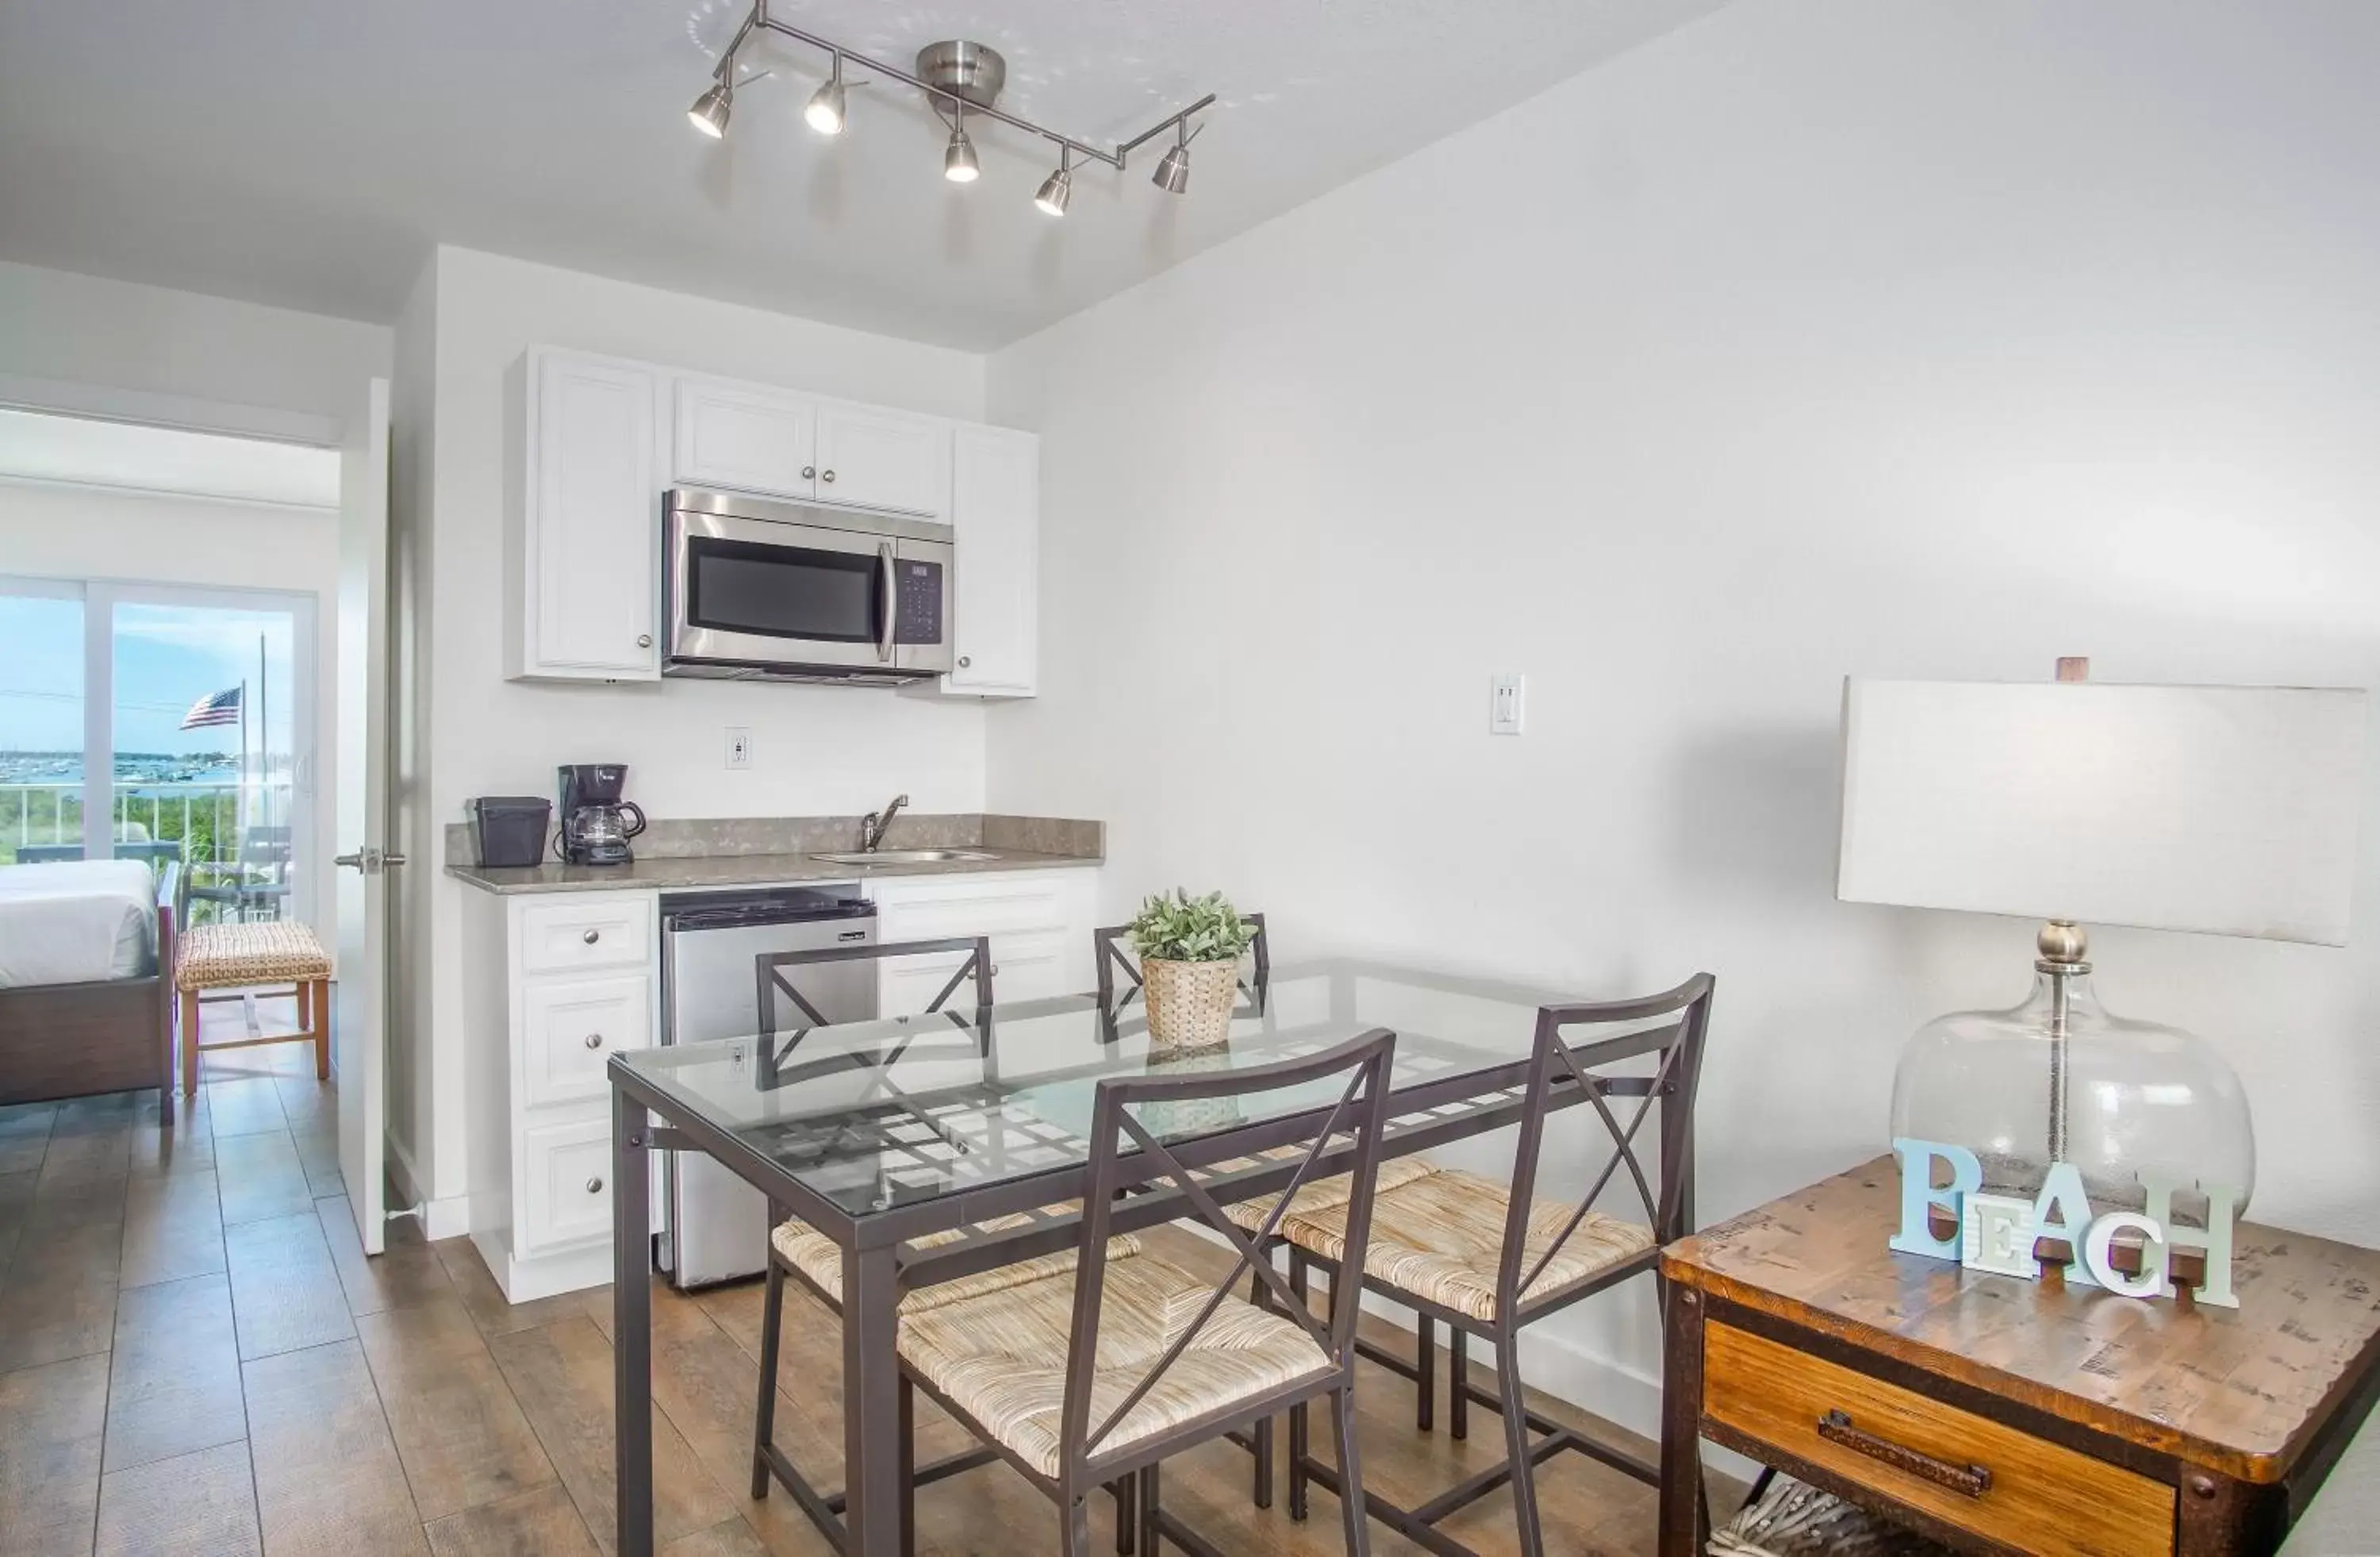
<point>1109,956</point>
<point>1101,1372</point>
<point>810,1257</point>
<point>1487,1260</point>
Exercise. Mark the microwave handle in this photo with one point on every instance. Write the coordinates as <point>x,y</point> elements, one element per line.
<point>889,582</point>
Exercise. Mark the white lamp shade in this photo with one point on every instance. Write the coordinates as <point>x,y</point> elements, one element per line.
<point>2225,810</point>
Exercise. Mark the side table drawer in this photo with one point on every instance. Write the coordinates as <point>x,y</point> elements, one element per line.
<point>1966,1471</point>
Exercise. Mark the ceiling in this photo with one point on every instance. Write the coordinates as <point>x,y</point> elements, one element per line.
<point>306,153</point>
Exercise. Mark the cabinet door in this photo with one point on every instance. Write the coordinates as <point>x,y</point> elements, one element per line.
<point>593,534</point>
<point>883,459</point>
<point>745,438</point>
<point>996,509</point>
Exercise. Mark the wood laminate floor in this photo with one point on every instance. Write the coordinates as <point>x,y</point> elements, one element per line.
<point>197,1358</point>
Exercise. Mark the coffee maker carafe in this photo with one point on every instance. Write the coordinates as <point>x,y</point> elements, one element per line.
<point>596,824</point>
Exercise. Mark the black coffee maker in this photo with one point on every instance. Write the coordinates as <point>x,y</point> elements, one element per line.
<point>596,824</point>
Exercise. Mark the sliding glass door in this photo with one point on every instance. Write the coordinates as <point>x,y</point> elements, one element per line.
<point>180,726</point>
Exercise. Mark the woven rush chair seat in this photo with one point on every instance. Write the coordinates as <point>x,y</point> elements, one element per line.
<point>219,957</point>
<point>1441,1237</point>
<point>1323,1195</point>
<point>815,1256</point>
<point>1001,1358</point>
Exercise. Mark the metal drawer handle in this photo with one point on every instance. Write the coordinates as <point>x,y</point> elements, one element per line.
<point>1968,1481</point>
<point>594,1186</point>
<point>593,936</point>
<point>594,1040</point>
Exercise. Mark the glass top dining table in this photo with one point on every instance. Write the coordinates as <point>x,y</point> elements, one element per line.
<point>880,1133</point>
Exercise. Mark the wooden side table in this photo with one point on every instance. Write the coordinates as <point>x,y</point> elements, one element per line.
<point>1996,1415</point>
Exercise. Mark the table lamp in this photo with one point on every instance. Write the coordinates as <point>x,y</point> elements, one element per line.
<point>2226,810</point>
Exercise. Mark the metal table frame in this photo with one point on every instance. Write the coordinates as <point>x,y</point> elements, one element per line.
<point>876,1269</point>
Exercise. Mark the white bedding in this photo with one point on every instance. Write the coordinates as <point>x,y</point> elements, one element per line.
<point>75,922</point>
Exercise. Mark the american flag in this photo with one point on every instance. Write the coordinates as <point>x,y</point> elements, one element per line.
<point>215,708</point>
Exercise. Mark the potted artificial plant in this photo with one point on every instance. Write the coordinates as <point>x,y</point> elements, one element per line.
<point>1190,967</point>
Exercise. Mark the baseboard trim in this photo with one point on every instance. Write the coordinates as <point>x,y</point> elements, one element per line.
<point>450,1218</point>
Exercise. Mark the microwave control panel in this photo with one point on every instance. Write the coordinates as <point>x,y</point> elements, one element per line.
<point>920,612</point>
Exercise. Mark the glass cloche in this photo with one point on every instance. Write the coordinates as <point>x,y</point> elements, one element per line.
<point>2138,1099</point>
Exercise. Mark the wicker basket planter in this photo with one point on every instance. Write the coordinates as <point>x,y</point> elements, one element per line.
<point>1190,1004</point>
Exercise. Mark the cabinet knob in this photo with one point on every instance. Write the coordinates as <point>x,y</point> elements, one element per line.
<point>965,661</point>
<point>644,640</point>
<point>829,475</point>
<point>810,472</point>
<point>995,970</point>
<point>594,1186</point>
<point>593,936</point>
<point>594,1040</point>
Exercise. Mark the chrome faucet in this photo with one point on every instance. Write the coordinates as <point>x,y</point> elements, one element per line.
<point>873,827</point>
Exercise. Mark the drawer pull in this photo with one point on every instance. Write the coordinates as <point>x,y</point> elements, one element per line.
<point>594,1186</point>
<point>1968,1481</point>
<point>594,1040</point>
<point>593,936</point>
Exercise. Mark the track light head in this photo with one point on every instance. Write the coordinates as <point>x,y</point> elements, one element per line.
<point>1173,174</point>
<point>958,160</point>
<point>710,110</point>
<point>1056,189</point>
<point>825,113</point>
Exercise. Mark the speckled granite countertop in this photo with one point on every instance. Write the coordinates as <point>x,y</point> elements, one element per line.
<point>765,851</point>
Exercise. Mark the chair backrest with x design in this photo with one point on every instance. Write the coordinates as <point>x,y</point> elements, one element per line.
<point>774,975</point>
<point>1108,950</point>
<point>1128,1158</point>
<point>1558,1063</point>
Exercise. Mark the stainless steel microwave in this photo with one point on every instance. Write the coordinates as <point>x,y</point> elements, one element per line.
<point>763,589</point>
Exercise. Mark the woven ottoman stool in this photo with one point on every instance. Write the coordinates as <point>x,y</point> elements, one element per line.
<point>244,957</point>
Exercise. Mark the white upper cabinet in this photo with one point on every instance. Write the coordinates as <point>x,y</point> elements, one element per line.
<point>587,551</point>
<point>869,458</point>
<point>996,510</point>
<point>746,438</point>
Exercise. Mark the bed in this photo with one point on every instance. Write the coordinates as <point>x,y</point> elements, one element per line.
<point>84,1007</point>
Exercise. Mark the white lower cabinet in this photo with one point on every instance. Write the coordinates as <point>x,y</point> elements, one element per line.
<point>1039,923</point>
<point>555,984</point>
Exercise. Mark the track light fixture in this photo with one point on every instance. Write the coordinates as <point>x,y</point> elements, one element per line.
<point>710,110</point>
<point>1173,174</point>
<point>958,159</point>
<point>1059,187</point>
<point>825,113</point>
<point>958,77</point>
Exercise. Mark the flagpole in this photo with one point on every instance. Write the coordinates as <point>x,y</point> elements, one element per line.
<point>264,738</point>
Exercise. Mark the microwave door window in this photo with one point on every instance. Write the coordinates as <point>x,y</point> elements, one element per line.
<point>782,592</point>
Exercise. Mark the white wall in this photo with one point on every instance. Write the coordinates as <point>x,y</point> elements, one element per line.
<point>1889,336</point>
<point>815,749</point>
<point>83,330</point>
<point>61,531</point>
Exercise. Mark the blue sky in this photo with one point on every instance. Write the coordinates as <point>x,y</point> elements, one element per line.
<point>167,658</point>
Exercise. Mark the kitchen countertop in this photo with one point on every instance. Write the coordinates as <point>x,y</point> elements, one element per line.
<point>697,871</point>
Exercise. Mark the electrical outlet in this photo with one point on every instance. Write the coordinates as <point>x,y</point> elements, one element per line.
<point>1507,693</point>
<point>739,747</point>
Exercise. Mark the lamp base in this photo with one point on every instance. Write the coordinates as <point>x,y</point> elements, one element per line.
<point>2061,1079</point>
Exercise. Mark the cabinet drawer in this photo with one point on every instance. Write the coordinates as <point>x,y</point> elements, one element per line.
<point>606,931</point>
<point>570,1028</point>
<point>567,1183</point>
<point>2032,1495</point>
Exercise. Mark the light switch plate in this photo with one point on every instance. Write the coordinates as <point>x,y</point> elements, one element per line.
<point>739,747</point>
<point>1508,693</point>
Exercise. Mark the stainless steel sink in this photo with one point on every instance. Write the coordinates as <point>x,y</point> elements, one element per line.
<point>905,857</point>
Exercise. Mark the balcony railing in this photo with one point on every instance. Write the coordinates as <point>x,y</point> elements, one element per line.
<point>204,818</point>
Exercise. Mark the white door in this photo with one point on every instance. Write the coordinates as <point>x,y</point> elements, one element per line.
<point>595,522</point>
<point>883,460</point>
<point>361,1005</point>
<point>745,438</point>
<point>996,511</point>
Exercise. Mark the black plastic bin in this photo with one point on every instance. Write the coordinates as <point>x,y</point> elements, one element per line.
<point>510,829</point>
